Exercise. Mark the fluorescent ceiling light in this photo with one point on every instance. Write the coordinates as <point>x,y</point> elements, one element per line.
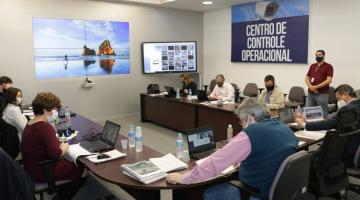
<point>207,2</point>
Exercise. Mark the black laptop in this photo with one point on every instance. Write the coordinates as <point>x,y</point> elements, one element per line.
<point>107,140</point>
<point>202,96</point>
<point>286,115</point>
<point>201,142</point>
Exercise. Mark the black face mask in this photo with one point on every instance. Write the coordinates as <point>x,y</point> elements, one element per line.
<point>319,59</point>
<point>270,88</point>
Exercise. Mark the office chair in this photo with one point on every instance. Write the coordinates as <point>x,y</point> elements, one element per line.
<point>354,173</point>
<point>296,97</point>
<point>9,139</point>
<point>236,92</point>
<point>212,85</point>
<point>290,182</point>
<point>251,90</point>
<point>332,102</point>
<point>50,185</point>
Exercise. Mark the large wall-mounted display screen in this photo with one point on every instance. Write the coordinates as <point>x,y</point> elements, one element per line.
<point>165,57</point>
<point>70,48</point>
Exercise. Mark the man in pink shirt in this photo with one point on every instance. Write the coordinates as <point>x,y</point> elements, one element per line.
<point>260,148</point>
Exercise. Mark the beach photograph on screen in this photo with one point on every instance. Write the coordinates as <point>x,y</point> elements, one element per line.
<point>71,48</point>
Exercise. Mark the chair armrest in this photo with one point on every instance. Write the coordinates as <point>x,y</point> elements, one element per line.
<point>48,166</point>
<point>245,190</point>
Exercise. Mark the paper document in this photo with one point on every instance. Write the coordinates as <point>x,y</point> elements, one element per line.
<point>75,151</point>
<point>225,171</point>
<point>169,163</point>
<point>301,143</point>
<point>114,154</point>
<point>314,135</point>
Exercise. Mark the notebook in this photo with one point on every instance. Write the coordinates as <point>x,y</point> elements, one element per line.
<point>107,140</point>
<point>313,114</point>
<point>201,142</point>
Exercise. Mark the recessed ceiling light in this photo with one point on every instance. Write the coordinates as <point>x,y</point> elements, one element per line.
<point>207,2</point>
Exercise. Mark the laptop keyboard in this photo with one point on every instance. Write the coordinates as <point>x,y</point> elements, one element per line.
<point>203,154</point>
<point>93,146</point>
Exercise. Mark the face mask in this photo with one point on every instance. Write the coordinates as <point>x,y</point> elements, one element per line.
<point>341,103</point>
<point>220,84</point>
<point>270,88</point>
<point>52,118</point>
<point>18,100</point>
<point>319,59</point>
<point>250,120</point>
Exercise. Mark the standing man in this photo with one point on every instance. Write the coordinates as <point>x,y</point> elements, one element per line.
<point>5,83</point>
<point>222,90</point>
<point>318,79</point>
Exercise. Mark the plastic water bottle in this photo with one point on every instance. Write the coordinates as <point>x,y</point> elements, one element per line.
<point>179,146</point>
<point>67,117</point>
<point>229,132</point>
<point>298,112</point>
<point>177,93</point>
<point>190,92</point>
<point>131,136</point>
<point>138,139</point>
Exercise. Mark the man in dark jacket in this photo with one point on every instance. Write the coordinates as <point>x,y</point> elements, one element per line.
<point>5,83</point>
<point>344,93</point>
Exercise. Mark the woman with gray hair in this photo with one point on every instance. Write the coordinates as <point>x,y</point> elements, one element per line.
<point>260,147</point>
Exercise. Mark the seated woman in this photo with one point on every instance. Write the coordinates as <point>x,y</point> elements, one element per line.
<point>12,113</point>
<point>39,143</point>
<point>188,84</point>
<point>260,147</point>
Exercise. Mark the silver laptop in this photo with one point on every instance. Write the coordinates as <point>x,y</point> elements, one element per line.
<point>313,114</point>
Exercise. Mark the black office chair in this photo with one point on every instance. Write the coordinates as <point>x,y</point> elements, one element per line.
<point>236,92</point>
<point>9,139</point>
<point>212,85</point>
<point>354,173</point>
<point>295,169</point>
<point>332,101</point>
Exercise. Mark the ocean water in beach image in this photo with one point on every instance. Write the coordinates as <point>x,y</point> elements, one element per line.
<point>74,66</point>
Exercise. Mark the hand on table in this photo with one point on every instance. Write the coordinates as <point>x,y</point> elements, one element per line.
<point>300,122</point>
<point>174,178</point>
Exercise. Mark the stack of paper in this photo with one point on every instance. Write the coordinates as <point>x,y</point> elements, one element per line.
<point>169,163</point>
<point>154,169</point>
<point>114,154</point>
<point>144,171</point>
<point>313,135</point>
<point>75,150</point>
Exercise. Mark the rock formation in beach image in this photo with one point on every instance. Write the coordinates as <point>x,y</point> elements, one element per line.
<point>88,51</point>
<point>107,64</point>
<point>105,48</point>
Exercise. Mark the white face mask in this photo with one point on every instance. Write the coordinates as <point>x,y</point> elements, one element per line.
<point>18,100</point>
<point>341,103</point>
<point>250,120</point>
<point>54,115</point>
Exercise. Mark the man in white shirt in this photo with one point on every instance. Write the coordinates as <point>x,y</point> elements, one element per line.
<point>222,90</point>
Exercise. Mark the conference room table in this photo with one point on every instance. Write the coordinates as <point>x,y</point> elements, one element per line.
<point>111,171</point>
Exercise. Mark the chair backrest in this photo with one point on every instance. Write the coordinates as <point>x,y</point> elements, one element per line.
<point>357,158</point>
<point>332,96</point>
<point>297,94</point>
<point>357,92</point>
<point>295,169</point>
<point>9,139</point>
<point>331,174</point>
<point>251,90</point>
<point>212,85</point>
<point>235,86</point>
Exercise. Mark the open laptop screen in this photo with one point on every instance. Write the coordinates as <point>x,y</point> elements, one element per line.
<point>286,115</point>
<point>200,140</point>
<point>313,113</point>
<point>110,132</point>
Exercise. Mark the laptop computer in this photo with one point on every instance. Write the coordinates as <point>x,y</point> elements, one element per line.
<point>170,91</point>
<point>201,142</point>
<point>202,96</point>
<point>107,140</point>
<point>313,114</point>
<point>286,115</point>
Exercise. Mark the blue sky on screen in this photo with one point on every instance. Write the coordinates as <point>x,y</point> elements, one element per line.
<point>65,33</point>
